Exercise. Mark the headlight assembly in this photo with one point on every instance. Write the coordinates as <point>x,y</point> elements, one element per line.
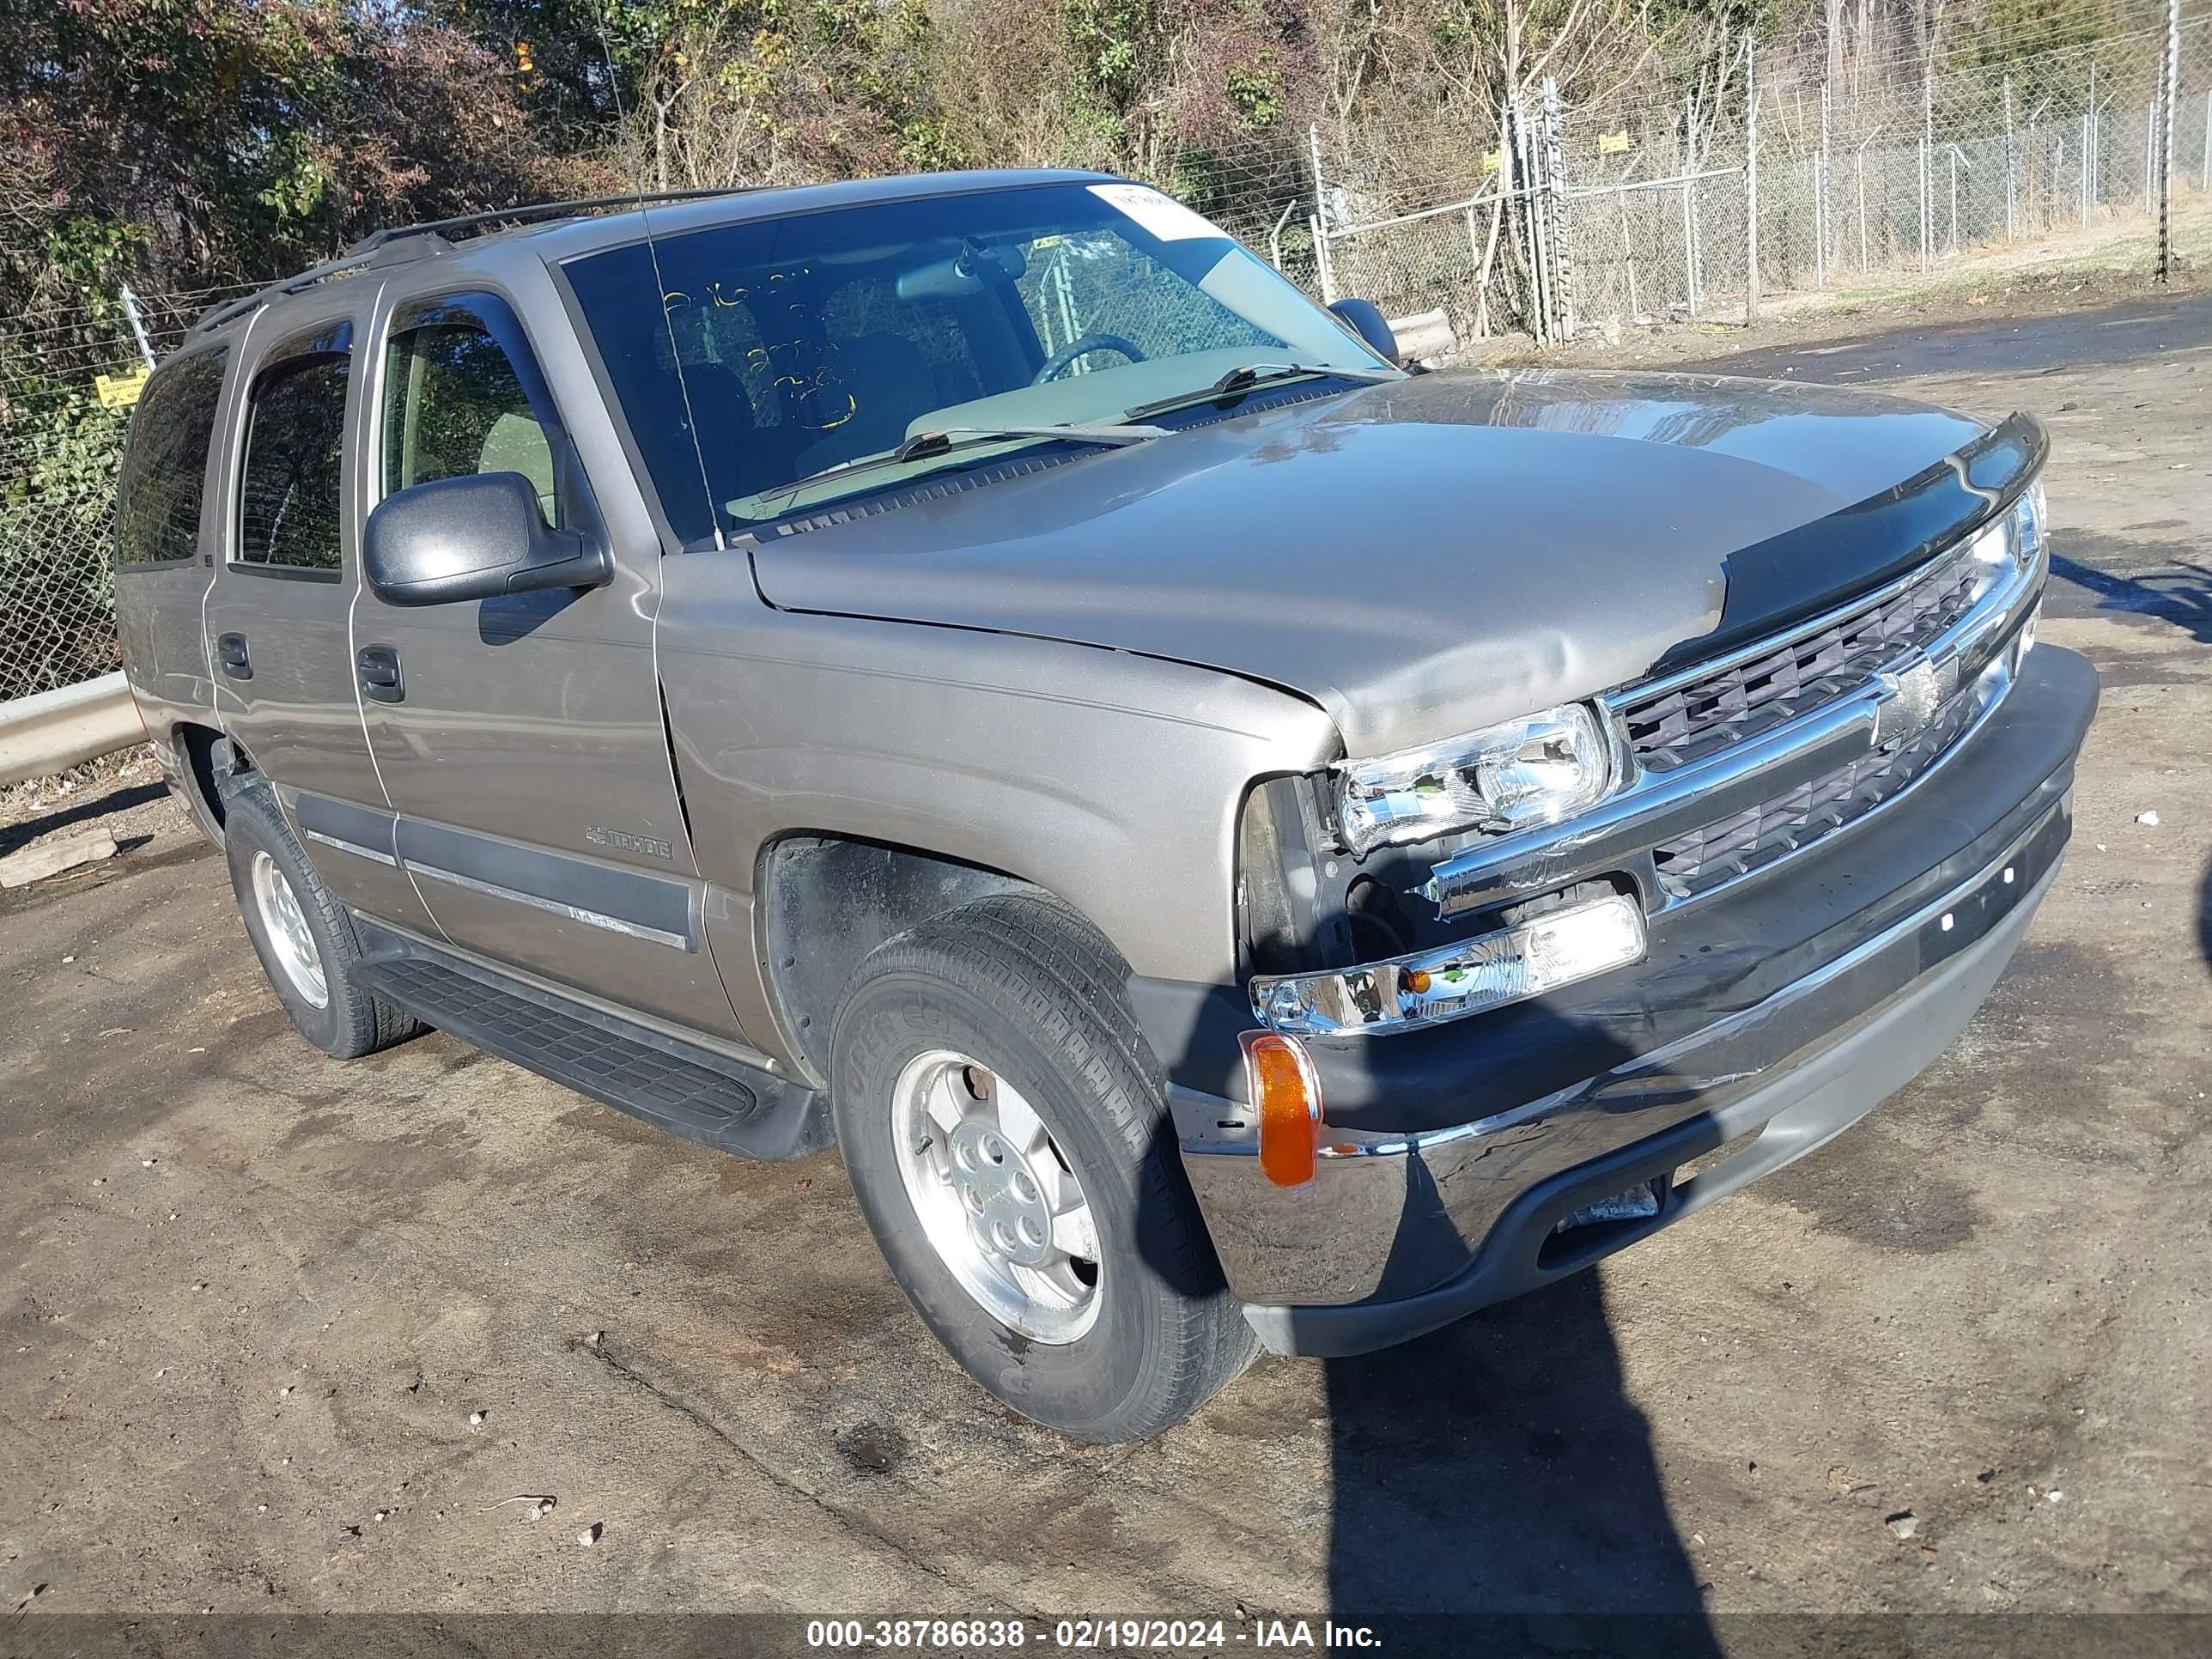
<point>1514,775</point>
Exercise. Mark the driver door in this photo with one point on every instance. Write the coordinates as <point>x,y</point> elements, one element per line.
<point>520,737</point>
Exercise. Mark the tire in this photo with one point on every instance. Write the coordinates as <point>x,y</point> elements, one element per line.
<point>351,1020</point>
<point>1023,987</point>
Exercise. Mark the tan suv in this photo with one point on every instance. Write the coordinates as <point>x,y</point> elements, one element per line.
<point>1234,842</point>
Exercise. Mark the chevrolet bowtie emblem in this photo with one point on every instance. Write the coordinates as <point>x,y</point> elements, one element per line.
<point>1914,696</point>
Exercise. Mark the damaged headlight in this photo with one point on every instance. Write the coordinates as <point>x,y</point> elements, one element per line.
<point>1514,775</point>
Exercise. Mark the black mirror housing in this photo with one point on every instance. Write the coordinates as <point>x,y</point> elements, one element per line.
<point>1364,318</point>
<point>473,537</point>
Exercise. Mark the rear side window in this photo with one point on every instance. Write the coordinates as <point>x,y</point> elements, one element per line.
<point>164,472</point>
<point>290,494</point>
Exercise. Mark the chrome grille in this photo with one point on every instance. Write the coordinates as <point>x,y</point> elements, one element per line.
<point>1716,711</point>
<point>1719,853</point>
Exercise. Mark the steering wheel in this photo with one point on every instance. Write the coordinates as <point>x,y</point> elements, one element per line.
<point>1078,348</point>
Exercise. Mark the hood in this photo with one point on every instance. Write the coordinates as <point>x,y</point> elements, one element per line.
<point>1418,557</point>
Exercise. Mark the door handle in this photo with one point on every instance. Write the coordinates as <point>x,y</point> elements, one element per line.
<point>230,651</point>
<point>378,666</point>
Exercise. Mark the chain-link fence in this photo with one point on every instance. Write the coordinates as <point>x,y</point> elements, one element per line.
<point>67,379</point>
<point>1782,176</point>
<point>1782,171</point>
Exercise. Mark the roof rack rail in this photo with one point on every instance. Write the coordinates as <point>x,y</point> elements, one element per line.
<point>367,251</point>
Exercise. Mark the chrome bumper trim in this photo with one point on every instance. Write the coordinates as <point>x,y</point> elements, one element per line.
<point>1389,1214</point>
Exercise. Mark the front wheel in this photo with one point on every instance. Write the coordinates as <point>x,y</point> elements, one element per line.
<point>1006,1128</point>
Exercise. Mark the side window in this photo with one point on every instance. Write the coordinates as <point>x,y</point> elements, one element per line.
<point>164,473</point>
<point>454,403</point>
<point>289,499</point>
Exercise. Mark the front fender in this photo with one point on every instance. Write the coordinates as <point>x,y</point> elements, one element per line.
<point>1109,780</point>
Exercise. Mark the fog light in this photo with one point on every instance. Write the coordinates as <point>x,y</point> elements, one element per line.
<point>1285,1098</point>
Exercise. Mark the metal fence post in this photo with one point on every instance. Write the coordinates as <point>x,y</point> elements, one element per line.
<point>1750,186</point>
<point>1689,202</point>
<point>1927,141</point>
<point>1823,213</point>
<point>1324,261</point>
<point>2150,140</point>
<point>1955,198</point>
<point>1534,216</point>
<point>2090,147</point>
<point>2170,87</point>
<point>1555,198</point>
<point>2083,160</point>
<point>1858,174</point>
<point>137,326</point>
<point>2012,184</point>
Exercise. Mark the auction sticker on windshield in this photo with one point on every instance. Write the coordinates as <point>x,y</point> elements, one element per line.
<point>1164,216</point>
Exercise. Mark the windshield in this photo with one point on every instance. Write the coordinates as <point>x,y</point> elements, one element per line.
<point>792,345</point>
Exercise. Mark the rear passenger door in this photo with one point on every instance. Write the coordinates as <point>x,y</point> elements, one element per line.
<point>520,738</point>
<point>287,568</point>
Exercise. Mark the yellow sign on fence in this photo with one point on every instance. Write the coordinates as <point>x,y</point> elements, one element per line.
<point>1493,159</point>
<point>1612,143</point>
<point>119,391</point>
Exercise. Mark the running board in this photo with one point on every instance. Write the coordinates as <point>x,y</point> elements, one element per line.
<point>679,1086</point>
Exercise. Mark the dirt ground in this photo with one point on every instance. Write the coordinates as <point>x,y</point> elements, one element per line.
<point>280,1334</point>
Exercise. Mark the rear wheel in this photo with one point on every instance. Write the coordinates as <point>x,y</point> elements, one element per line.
<point>1006,1128</point>
<point>302,934</point>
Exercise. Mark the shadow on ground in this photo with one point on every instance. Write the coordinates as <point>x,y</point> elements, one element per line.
<point>1493,1487</point>
<point>1498,1468</point>
<point>93,804</point>
<point>2180,593</point>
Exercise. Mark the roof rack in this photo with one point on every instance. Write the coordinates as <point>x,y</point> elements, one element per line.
<point>383,245</point>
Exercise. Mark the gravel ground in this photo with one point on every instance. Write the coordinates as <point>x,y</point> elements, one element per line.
<point>280,1334</point>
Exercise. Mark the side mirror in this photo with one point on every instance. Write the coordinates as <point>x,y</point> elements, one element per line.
<point>473,537</point>
<point>1365,319</point>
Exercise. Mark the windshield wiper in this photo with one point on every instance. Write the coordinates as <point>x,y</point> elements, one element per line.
<point>923,446</point>
<point>1247,375</point>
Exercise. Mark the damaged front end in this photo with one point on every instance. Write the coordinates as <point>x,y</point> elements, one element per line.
<point>1536,978</point>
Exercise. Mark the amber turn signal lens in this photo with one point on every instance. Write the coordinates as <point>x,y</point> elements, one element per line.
<point>1285,1096</point>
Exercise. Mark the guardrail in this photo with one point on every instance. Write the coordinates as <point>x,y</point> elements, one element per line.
<point>55,730</point>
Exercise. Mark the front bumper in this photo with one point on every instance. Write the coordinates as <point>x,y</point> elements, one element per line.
<point>1399,1233</point>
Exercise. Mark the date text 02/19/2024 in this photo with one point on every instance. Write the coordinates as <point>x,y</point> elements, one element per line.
<point>1086,1635</point>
